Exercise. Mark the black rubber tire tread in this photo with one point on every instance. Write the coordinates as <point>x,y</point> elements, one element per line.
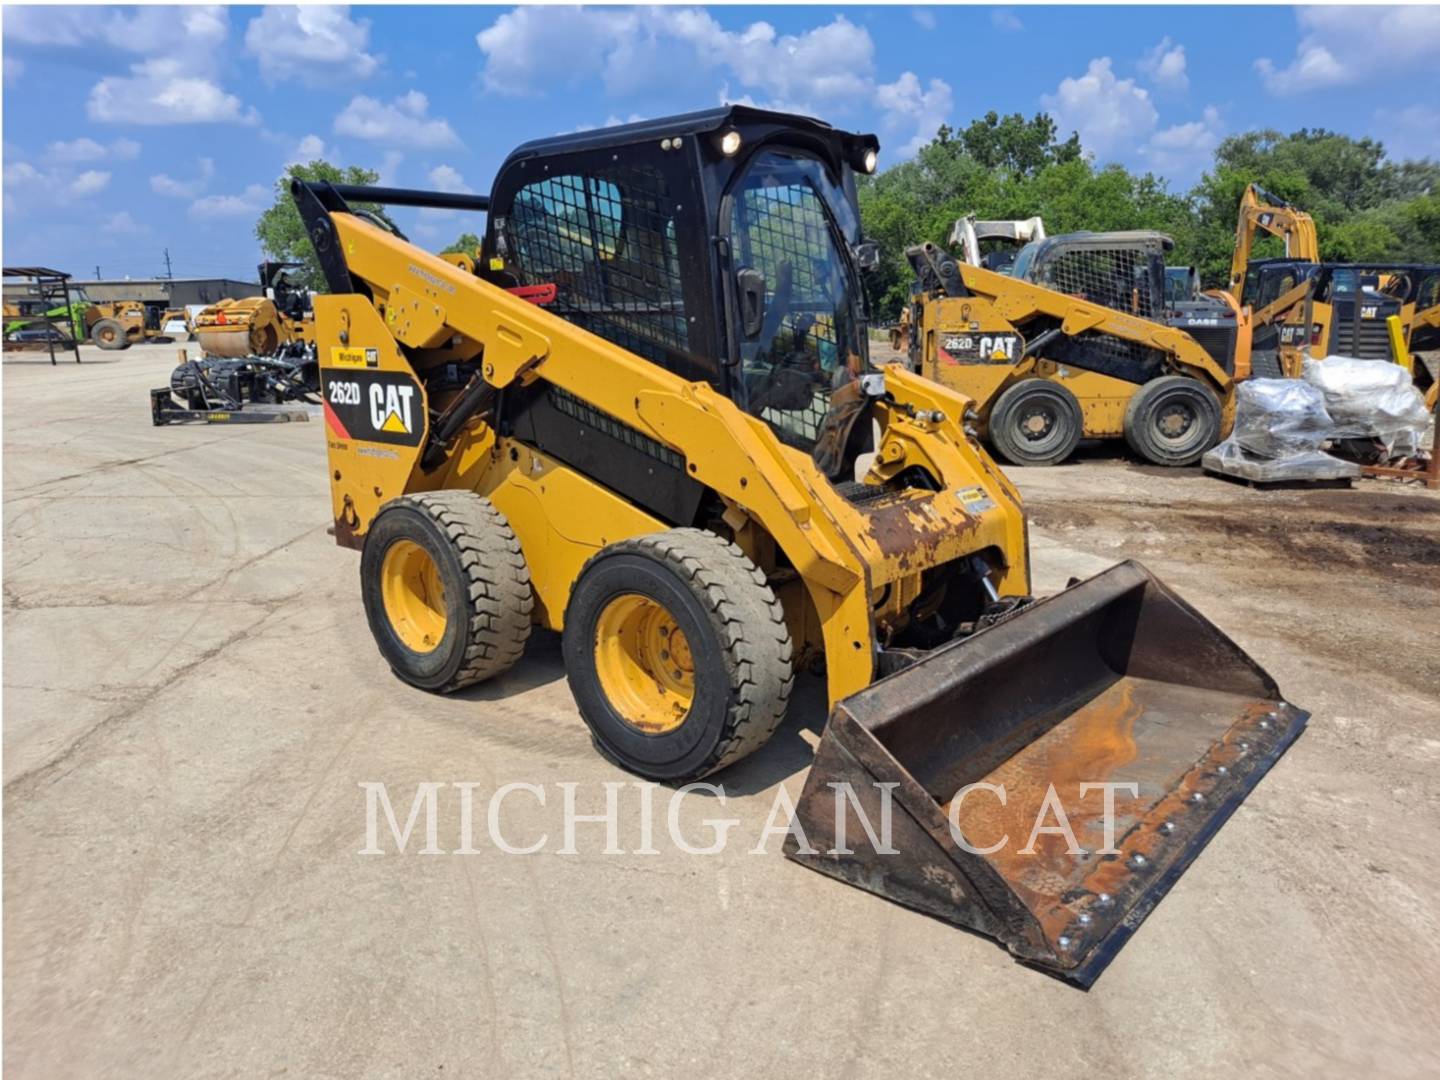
<point>752,628</point>
<point>497,578</point>
<point>122,340</point>
<point>1012,447</point>
<point>1137,429</point>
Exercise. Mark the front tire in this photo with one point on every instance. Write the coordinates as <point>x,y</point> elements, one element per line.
<point>677,653</point>
<point>1036,422</point>
<point>110,335</point>
<point>1172,421</point>
<point>446,589</point>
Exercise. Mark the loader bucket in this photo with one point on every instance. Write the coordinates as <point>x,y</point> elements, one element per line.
<point>1114,681</point>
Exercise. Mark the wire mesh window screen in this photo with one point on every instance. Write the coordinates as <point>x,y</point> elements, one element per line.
<point>782,230</point>
<point>1117,278</point>
<point>606,240</point>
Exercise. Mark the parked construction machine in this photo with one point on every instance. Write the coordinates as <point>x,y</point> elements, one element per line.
<point>275,324</point>
<point>1262,212</point>
<point>646,419</point>
<point>118,324</point>
<point>1080,339</point>
<point>259,351</point>
<point>1006,238</point>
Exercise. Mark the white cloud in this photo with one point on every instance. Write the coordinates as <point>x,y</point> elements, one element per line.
<point>312,44</point>
<point>923,17</point>
<point>634,50</point>
<point>1181,151</point>
<point>402,122</point>
<point>163,184</point>
<point>312,148</point>
<point>56,186</point>
<point>161,91</point>
<point>248,203</point>
<point>84,149</point>
<point>1165,66</point>
<point>146,30</point>
<point>20,174</point>
<point>921,109</point>
<point>81,149</point>
<point>446,178</point>
<point>122,224</point>
<point>89,182</point>
<point>1342,46</point>
<point>1109,113</point>
<point>1006,20</point>
<point>173,84</point>
<point>14,68</point>
<point>50,25</point>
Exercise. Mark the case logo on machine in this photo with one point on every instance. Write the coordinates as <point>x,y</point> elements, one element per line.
<point>374,406</point>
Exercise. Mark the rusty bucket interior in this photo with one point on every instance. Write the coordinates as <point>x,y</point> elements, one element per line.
<point>1116,681</point>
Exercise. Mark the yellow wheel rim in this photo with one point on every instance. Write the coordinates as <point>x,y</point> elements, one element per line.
<point>414,596</point>
<point>644,663</point>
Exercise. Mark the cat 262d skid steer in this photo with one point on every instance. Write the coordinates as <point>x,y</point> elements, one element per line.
<point>644,417</point>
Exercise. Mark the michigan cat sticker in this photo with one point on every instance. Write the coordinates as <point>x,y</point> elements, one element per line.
<point>354,358</point>
<point>374,406</point>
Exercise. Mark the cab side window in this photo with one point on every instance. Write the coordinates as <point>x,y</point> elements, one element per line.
<point>606,241</point>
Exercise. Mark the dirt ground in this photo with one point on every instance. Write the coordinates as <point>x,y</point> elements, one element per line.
<point>192,702</point>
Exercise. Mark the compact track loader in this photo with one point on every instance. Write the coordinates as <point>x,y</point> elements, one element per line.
<point>1080,340</point>
<point>1371,311</point>
<point>644,417</point>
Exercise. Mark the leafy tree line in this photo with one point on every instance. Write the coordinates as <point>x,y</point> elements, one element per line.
<point>1364,206</point>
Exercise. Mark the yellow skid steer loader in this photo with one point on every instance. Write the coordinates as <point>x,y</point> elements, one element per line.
<point>644,417</point>
<point>1079,340</point>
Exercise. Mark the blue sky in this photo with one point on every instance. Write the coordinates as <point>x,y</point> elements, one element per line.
<point>131,130</point>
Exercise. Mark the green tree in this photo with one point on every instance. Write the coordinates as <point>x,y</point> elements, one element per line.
<point>1015,144</point>
<point>282,234</point>
<point>1003,169</point>
<point>1360,199</point>
<point>467,243</point>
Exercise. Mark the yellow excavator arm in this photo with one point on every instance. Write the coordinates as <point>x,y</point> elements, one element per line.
<point>1261,211</point>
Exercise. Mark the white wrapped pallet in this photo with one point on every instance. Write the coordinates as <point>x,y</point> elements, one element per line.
<point>1371,399</point>
<point>1280,426</point>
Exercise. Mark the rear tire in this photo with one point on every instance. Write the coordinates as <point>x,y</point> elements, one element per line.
<point>446,589</point>
<point>110,335</point>
<point>1036,422</point>
<point>1172,421</point>
<point>677,653</point>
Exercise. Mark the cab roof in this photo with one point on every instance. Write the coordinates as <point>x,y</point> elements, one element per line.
<point>705,122</point>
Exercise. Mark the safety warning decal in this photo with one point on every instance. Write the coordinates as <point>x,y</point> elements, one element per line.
<point>975,500</point>
<point>374,406</point>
